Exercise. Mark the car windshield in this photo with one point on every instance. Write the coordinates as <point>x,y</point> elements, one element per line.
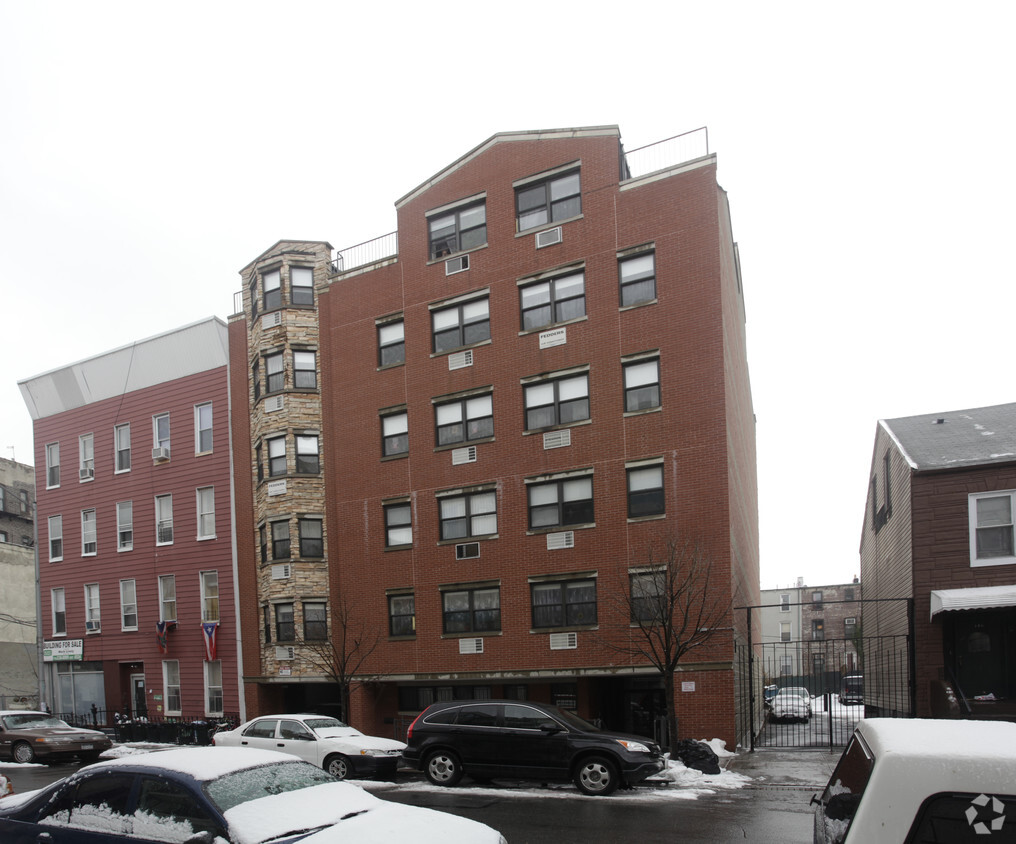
<point>31,720</point>
<point>573,720</point>
<point>253,783</point>
<point>843,793</point>
<point>324,723</point>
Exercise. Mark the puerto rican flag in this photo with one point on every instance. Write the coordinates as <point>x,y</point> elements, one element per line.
<point>209,629</point>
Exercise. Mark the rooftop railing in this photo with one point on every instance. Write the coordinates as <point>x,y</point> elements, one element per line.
<point>368,252</point>
<point>666,153</point>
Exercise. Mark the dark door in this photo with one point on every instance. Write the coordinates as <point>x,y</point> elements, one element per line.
<point>525,745</point>
<point>983,657</point>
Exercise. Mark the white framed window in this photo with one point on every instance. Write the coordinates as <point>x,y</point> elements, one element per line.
<point>567,500</point>
<point>637,277</point>
<point>86,457</point>
<point>164,519</point>
<point>301,284</point>
<point>458,228</point>
<point>468,515</point>
<point>89,543</point>
<point>122,447</point>
<point>213,687</point>
<point>271,284</point>
<point>556,401</point>
<point>785,631</point>
<point>58,602</point>
<point>52,465</point>
<point>992,535</point>
<point>308,458</point>
<point>124,525</point>
<point>547,199</point>
<point>391,342</point>
<point>398,524</point>
<point>209,596</point>
<point>305,370</point>
<point>464,418</point>
<point>275,372</point>
<point>464,323</point>
<point>128,605</point>
<point>641,384</point>
<point>785,602</point>
<point>394,434</point>
<point>645,490</point>
<point>55,524</point>
<point>276,457</point>
<point>92,614</point>
<point>786,664</point>
<point>160,431</point>
<point>167,597</point>
<point>171,686</point>
<point>203,428</point>
<point>553,300</point>
<point>206,512</point>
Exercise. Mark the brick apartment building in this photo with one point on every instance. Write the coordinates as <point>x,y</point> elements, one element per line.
<point>464,437</point>
<point>132,456</point>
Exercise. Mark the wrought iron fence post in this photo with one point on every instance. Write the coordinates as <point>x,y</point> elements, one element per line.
<point>751,684</point>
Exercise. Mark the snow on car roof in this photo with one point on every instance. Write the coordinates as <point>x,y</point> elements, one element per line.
<point>205,763</point>
<point>940,738</point>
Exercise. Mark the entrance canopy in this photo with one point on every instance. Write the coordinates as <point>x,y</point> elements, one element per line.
<point>977,598</point>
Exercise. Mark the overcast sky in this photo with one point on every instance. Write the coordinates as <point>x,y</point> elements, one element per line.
<point>148,152</point>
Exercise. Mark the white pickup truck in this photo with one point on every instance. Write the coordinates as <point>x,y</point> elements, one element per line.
<point>914,781</point>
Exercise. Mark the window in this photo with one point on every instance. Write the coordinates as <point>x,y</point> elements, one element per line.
<point>849,627</point>
<point>206,512</point>
<point>398,524</point>
<point>848,594</point>
<point>171,686</point>
<point>124,525</point>
<point>92,615</point>
<point>641,385</point>
<point>637,276</point>
<point>402,615</point>
<point>276,457</point>
<point>271,284</point>
<point>568,501</point>
<point>785,603</point>
<point>645,491</point>
<point>817,629</point>
<point>786,663</point>
<point>308,461</point>
<point>52,465</point>
<point>128,605</point>
<point>203,428</point>
<point>86,457</point>
<point>255,379</point>
<point>567,603</point>
<point>818,667</point>
<point>548,200</point>
<point>213,688</point>
<point>648,599</point>
<point>167,597</point>
<point>263,542</point>
<point>463,324</point>
<point>280,540</point>
<point>301,280</point>
<point>209,596</point>
<point>458,229</point>
<point>122,447</point>
<point>59,605</point>
<point>556,300</point>
<point>305,370</point>
<point>89,544</point>
<point>784,631</point>
<point>55,538</point>
<point>160,430</point>
<point>991,528</point>
<point>315,624</point>
<point>465,419</point>
<point>391,343</point>
<point>311,539</point>
<point>259,462</point>
<point>164,520</point>
<point>266,618</point>
<point>285,628</point>
<point>562,401</point>
<point>476,610</point>
<point>816,599</point>
<point>473,514</point>
<point>395,434</point>
<point>253,298</point>
<point>274,373</point>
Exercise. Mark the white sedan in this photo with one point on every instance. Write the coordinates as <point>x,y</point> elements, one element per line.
<point>323,741</point>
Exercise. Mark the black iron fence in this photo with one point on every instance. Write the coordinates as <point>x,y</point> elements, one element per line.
<point>171,730</point>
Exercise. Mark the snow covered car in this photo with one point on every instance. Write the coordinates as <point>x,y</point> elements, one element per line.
<point>323,741</point>
<point>201,795</point>
<point>915,780</point>
<point>27,736</point>
<point>791,704</point>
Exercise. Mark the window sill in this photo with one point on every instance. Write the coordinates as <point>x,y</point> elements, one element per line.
<point>445,352</point>
<point>411,638</point>
<point>570,629</point>
<point>643,412</point>
<point>634,305</point>
<point>550,224</point>
<point>463,539</point>
<point>559,528</point>
<point>122,550</point>
<point>536,431</point>
<point>992,561</point>
<point>385,458</point>
<point>474,634</point>
<point>552,325</point>
<point>440,259</point>
<point>203,453</point>
<point>407,547</point>
<point>388,366</point>
<point>462,444</point>
<point>634,520</point>
<point>204,538</point>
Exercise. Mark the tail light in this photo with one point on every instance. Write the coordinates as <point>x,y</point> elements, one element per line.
<point>409,732</point>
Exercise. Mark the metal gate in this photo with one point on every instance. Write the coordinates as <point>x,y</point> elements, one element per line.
<point>821,666</point>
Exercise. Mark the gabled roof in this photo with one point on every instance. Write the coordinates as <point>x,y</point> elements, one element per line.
<point>956,439</point>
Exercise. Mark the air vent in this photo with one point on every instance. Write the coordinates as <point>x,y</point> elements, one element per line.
<point>548,237</point>
<point>464,455</point>
<point>456,265</point>
<point>281,571</point>
<point>557,541</point>
<point>460,360</point>
<point>274,403</point>
<point>285,653</point>
<point>271,320</point>
<point>467,551</point>
<point>557,439</point>
<point>93,627</point>
<point>470,646</point>
<point>564,641</point>
<point>160,453</point>
<point>86,474</point>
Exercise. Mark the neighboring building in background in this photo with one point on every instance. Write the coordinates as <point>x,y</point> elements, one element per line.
<point>135,549</point>
<point>939,529</point>
<point>464,436</point>
<point>19,653</point>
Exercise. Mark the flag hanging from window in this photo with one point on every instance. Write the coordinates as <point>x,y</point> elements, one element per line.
<point>209,629</point>
<point>161,628</point>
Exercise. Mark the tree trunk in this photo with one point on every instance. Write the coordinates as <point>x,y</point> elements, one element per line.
<point>668,689</point>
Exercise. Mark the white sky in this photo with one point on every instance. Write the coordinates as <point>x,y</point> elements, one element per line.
<point>148,152</point>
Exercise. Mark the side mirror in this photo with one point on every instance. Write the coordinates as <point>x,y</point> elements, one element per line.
<point>549,727</point>
<point>204,837</point>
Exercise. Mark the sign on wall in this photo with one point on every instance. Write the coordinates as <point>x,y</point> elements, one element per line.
<point>63,650</point>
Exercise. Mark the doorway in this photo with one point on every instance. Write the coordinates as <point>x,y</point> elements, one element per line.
<point>138,700</point>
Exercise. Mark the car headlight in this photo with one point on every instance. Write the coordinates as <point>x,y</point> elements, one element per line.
<point>372,752</point>
<point>633,746</point>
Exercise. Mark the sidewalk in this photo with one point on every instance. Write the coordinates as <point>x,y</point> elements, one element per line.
<point>785,767</point>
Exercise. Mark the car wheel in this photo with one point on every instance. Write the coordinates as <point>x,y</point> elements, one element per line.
<point>338,766</point>
<point>443,768</point>
<point>23,753</point>
<point>596,775</point>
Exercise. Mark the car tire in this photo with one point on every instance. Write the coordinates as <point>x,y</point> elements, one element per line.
<point>89,758</point>
<point>443,768</point>
<point>22,753</point>
<point>338,766</point>
<point>596,775</point>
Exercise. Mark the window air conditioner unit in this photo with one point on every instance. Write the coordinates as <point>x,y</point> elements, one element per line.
<point>557,541</point>
<point>92,626</point>
<point>470,646</point>
<point>271,320</point>
<point>285,653</point>
<point>467,551</point>
<point>160,453</point>
<point>548,237</point>
<point>456,265</point>
<point>274,403</point>
<point>464,455</point>
<point>281,571</point>
<point>460,360</point>
<point>86,474</point>
<point>564,641</point>
<point>557,439</point>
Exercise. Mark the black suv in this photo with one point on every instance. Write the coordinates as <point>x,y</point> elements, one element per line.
<point>497,738</point>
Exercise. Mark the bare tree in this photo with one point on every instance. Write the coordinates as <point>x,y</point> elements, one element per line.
<point>672,611</point>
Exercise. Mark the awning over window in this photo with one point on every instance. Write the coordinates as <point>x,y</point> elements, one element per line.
<point>978,598</point>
